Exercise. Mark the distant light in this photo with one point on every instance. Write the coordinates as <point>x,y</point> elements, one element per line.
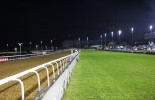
<point>100,36</point>
<point>79,39</point>
<point>105,34</point>
<point>41,41</point>
<point>87,38</point>
<point>132,29</point>
<point>119,32</point>
<point>151,27</point>
<point>51,41</point>
<point>20,44</point>
<point>112,33</point>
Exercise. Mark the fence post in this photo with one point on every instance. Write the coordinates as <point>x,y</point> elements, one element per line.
<point>53,71</point>
<point>38,79</point>
<point>47,75</point>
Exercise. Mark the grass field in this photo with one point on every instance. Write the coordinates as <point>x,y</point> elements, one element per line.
<point>11,90</point>
<point>101,75</point>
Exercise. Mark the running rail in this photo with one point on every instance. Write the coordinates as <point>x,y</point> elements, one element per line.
<point>63,64</point>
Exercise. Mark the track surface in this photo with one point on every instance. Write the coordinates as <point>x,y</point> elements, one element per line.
<point>104,75</point>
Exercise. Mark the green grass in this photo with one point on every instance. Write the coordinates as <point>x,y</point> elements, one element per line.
<point>101,75</point>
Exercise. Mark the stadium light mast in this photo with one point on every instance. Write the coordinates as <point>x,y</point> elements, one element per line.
<point>36,47</point>
<point>20,45</point>
<point>132,29</point>
<point>151,28</point>
<point>41,45</point>
<point>79,42</point>
<point>46,47</point>
<point>112,35</point>
<point>105,35</point>
<point>51,46</point>
<point>87,42</point>
<point>7,45</point>
<point>30,45</point>
<point>119,33</point>
<point>101,41</point>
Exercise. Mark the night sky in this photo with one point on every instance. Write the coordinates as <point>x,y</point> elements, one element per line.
<point>69,19</point>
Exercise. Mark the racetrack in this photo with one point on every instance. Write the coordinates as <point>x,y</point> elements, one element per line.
<point>11,90</point>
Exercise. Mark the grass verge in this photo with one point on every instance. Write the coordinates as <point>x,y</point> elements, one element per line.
<point>101,75</point>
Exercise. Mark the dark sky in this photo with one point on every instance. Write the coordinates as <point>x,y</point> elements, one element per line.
<point>70,19</point>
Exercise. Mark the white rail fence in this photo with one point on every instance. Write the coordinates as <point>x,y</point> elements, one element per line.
<point>17,57</point>
<point>67,64</point>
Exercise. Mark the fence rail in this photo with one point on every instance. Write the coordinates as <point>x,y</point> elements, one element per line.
<point>64,62</point>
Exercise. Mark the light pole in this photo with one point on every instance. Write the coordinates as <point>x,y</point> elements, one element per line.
<point>151,28</point>
<point>7,46</point>
<point>119,33</point>
<point>36,47</point>
<point>105,35</point>
<point>132,34</point>
<point>30,45</point>
<point>41,45</point>
<point>101,41</point>
<point>51,46</point>
<point>112,35</point>
<point>20,45</point>
<point>46,47</point>
<point>87,42</point>
<point>79,42</point>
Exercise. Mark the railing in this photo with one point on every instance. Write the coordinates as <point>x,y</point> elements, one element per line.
<point>17,57</point>
<point>64,62</point>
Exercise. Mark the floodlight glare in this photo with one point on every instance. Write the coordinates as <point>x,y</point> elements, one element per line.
<point>79,39</point>
<point>112,33</point>
<point>87,38</point>
<point>101,36</point>
<point>132,34</point>
<point>119,32</point>
<point>132,30</point>
<point>105,34</point>
<point>151,28</point>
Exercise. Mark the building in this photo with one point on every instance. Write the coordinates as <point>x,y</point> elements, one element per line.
<point>150,36</point>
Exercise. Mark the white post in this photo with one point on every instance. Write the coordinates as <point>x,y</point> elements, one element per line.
<point>38,79</point>
<point>47,75</point>
<point>20,44</point>
<point>22,87</point>
<point>53,71</point>
<point>57,67</point>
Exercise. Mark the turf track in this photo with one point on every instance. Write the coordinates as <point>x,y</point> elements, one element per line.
<point>102,75</point>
